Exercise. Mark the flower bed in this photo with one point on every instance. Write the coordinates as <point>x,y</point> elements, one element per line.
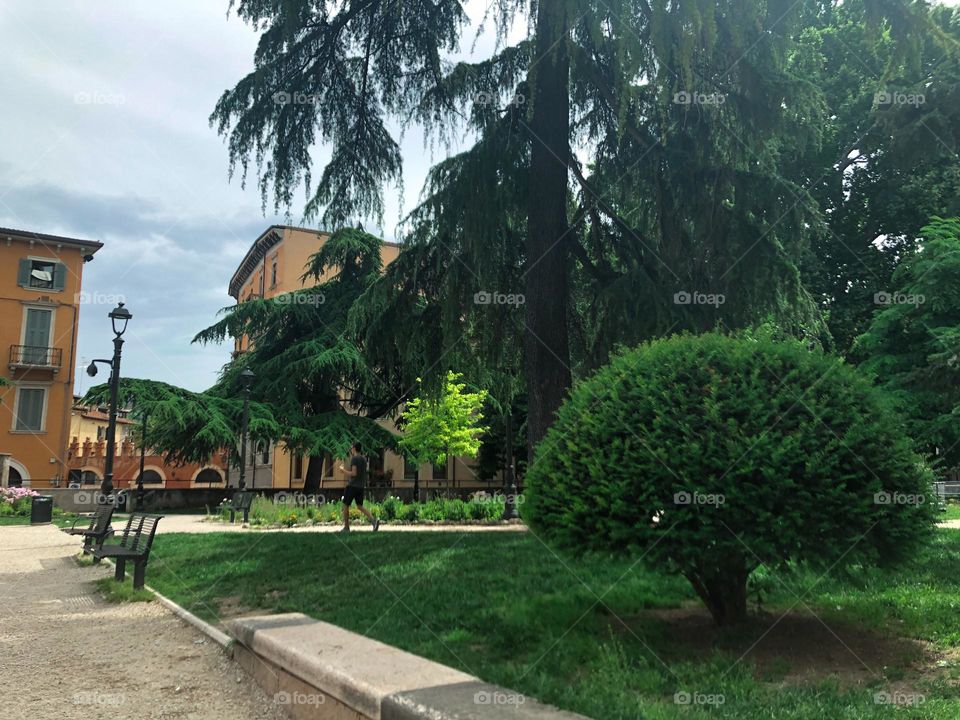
<point>300,510</point>
<point>16,501</point>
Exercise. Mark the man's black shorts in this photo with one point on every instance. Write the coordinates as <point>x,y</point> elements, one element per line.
<point>351,493</point>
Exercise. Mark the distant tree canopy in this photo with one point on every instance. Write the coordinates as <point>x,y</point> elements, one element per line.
<point>187,426</point>
<point>887,159</point>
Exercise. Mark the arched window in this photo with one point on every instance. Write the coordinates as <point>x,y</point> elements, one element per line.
<point>209,476</point>
<point>16,479</point>
<point>151,477</point>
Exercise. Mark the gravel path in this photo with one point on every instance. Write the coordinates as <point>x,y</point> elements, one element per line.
<point>66,653</point>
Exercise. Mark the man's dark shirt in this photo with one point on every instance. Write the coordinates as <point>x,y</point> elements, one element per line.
<point>360,478</point>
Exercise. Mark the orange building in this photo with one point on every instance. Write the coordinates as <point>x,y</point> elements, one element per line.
<point>40,298</point>
<point>274,265</point>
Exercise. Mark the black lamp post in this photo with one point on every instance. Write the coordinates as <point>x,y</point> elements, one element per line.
<point>246,378</point>
<point>143,456</point>
<point>119,317</point>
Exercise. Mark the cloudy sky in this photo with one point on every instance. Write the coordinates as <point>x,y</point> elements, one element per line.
<point>105,136</point>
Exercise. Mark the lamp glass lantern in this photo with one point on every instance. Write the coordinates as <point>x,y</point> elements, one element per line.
<point>119,317</point>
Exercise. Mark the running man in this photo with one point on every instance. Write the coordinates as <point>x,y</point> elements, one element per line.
<point>354,490</point>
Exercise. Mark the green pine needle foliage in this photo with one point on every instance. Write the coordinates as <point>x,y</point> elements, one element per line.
<point>704,454</point>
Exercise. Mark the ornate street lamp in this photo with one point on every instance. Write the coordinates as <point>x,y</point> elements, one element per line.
<point>246,379</point>
<point>119,317</point>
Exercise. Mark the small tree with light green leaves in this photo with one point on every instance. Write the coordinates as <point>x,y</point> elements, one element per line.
<point>451,424</point>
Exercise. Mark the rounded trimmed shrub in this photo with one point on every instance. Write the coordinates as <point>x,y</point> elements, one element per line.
<point>710,455</point>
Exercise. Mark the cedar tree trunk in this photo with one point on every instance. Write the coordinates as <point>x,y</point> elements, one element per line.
<point>546,343</point>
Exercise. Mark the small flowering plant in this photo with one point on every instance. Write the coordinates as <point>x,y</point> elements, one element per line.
<point>16,500</point>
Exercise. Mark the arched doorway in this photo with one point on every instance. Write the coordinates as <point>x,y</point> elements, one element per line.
<point>80,477</point>
<point>17,474</point>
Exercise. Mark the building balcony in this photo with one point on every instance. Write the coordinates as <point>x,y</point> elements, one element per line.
<point>33,357</point>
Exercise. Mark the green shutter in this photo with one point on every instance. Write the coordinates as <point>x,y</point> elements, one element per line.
<point>59,276</point>
<point>30,409</point>
<point>23,272</point>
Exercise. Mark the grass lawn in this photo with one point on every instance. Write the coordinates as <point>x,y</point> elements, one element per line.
<point>606,638</point>
<point>951,511</point>
<point>124,591</point>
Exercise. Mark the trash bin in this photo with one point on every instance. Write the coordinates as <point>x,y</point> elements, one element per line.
<point>41,510</point>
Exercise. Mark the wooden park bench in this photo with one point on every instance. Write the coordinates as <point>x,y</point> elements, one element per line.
<point>242,502</point>
<point>135,544</point>
<point>97,531</point>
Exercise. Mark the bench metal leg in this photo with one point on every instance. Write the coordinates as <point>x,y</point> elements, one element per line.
<point>232,516</point>
<point>121,571</point>
<point>139,570</point>
<point>246,516</point>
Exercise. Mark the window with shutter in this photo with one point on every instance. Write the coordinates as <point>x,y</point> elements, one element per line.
<point>30,402</point>
<point>59,276</point>
<point>43,274</point>
<point>23,272</point>
<point>36,338</point>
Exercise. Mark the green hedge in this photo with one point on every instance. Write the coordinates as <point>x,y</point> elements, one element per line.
<point>267,511</point>
<point>710,455</point>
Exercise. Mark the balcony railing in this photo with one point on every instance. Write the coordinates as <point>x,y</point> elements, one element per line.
<point>34,356</point>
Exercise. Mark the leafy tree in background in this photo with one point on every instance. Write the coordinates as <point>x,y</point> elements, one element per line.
<point>887,161</point>
<point>712,455</point>
<point>913,343</point>
<point>435,428</point>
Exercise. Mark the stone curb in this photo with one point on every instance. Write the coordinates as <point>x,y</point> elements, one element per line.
<point>206,628</point>
<point>354,676</point>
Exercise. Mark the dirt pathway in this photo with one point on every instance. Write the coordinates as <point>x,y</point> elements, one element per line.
<point>66,653</point>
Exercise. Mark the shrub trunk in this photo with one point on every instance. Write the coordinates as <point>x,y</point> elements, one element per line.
<point>723,590</point>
